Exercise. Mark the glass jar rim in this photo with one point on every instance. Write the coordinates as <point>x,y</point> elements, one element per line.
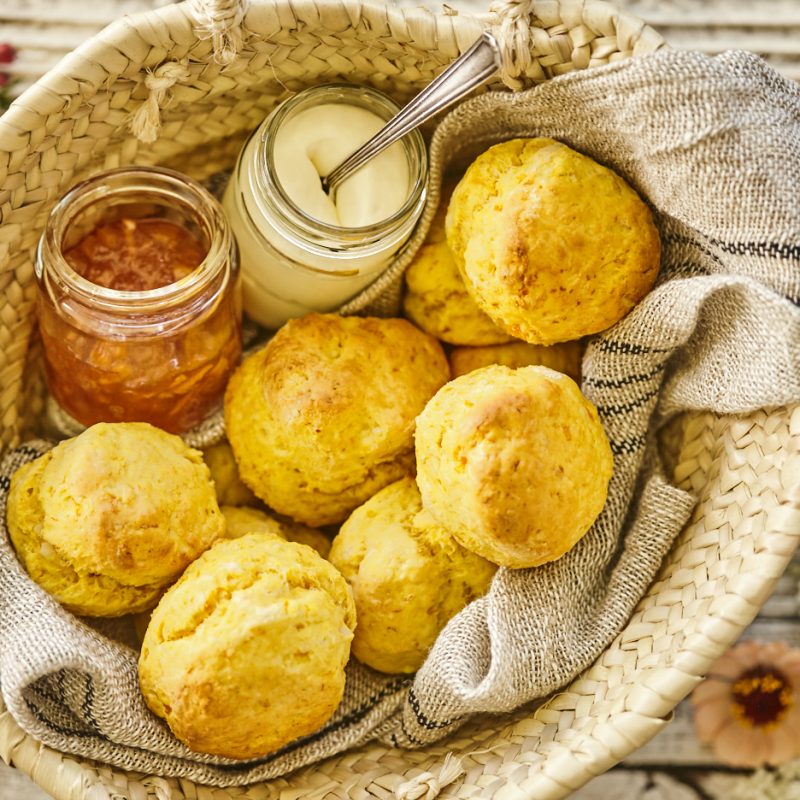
<point>299,220</point>
<point>157,181</point>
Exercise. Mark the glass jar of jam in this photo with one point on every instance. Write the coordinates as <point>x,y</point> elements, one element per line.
<point>139,300</point>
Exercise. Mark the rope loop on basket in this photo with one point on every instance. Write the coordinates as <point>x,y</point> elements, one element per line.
<point>146,120</point>
<point>512,29</point>
<point>220,21</point>
<point>427,786</point>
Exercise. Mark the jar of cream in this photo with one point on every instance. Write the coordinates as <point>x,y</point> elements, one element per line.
<point>302,250</point>
<point>139,300</point>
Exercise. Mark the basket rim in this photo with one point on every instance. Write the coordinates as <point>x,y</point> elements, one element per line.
<point>75,75</point>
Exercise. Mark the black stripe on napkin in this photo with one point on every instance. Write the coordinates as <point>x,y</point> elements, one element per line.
<point>424,721</point>
<point>88,705</point>
<point>628,349</point>
<point>686,241</point>
<point>626,408</point>
<point>603,383</point>
<point>60,729</point>
<point>772,249</point>
<point>627,447</point>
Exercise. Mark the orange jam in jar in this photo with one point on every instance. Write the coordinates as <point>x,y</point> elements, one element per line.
<point>139,300</point>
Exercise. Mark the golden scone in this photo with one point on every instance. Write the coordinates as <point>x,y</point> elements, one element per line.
<point>409,576</point>
<point>106,521</point>
<point>551,244</point>
<point>436,299</point>
<point>323,416</point>
<point>564,357</point>
<point>246,652</point>
<point>229,487</point>
<point>514,463</point>
<point>240,520</point>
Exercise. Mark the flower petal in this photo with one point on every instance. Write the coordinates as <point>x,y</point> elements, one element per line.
<point>710,718</point>
<point>772,652</point>
<point>736,661</point>
<point>789,665</point>
<point>792,723</point>
<point>711,689</point>
<point>783,746</point>
<point>748,654</point>
<point>739,746</point>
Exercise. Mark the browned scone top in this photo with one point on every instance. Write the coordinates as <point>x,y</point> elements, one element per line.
<point>551,245</point>
<point>513,462</point>
<point>323,416</point>
<point>107,520</point>
<point>246,652</point>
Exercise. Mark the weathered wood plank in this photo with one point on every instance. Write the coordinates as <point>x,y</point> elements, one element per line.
<point>16,786</point>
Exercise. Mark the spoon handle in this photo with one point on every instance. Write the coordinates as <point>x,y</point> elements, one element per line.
<point>467,72</point>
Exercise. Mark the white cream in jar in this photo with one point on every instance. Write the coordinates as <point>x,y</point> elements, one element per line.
<point>300,249</point>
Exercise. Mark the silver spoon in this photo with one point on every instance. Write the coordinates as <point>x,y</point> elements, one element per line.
<point>467,72</point>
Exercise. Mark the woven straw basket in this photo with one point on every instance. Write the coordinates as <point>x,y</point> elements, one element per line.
<point>176,68</point>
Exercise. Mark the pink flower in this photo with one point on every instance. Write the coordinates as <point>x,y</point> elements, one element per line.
<point>748,709</point>
<point>7,53</point>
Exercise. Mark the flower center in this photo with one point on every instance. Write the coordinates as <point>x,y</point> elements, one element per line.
<point>761,697</point>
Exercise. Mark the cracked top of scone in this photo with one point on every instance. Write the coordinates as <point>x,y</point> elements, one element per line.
<point>246,652</point>
<point>323,416</point>
<point>551,245</point>
<point>106,520</point>
<point>513,462</point>
<point>436,299</point>
<point>408,574</point>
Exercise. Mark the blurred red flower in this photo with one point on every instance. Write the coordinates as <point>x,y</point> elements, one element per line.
<point>7,55</point>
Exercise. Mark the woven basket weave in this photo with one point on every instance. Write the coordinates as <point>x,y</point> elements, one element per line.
<point>174,68</point>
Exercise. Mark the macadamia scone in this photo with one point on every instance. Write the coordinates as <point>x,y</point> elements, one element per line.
<point>409,576</point>
<point>565,357</point>
<point>240,520</point>
<point>106,521</point>
<point>323,416</point>
<point>436,299</point>
<point>514,463</point>
<point>551,245</point>
<point>225,474</point>
<point>246,652</point>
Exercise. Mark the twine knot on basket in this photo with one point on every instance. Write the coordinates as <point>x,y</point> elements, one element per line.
<point>426,785</point>
<point>146,120</point>
<point>512,29</point>
<point>220,21</point>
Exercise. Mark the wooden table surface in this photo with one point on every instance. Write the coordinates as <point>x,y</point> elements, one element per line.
<point>673,766</point>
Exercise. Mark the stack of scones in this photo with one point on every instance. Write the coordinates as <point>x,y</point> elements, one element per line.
<point>376,473</point>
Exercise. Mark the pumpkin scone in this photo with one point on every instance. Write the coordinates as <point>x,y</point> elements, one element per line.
<point>323,417</point>
<point>225,474</point>
<point>409,576</point>
<point>107,520</point>
<point>436,299</point>
<point>514,463</point>
<point>246,652</point>
<point>551,245</point>
<point>240,520</point>
<point>565,357</point>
